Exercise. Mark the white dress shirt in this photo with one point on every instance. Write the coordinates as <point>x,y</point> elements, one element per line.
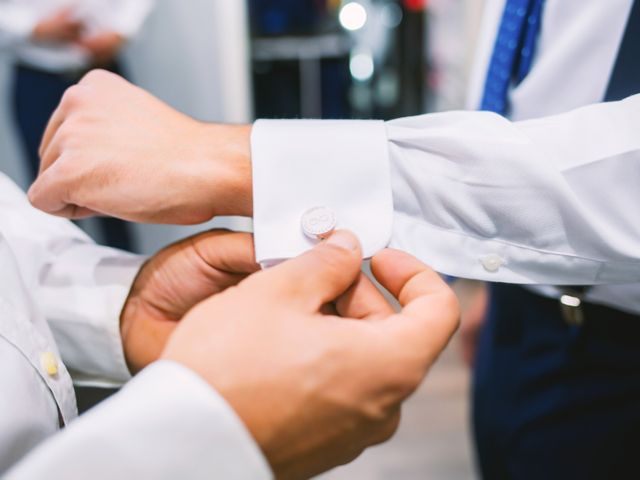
<point>548,197</point>
<point>60,302</point>
<point>18,18</point>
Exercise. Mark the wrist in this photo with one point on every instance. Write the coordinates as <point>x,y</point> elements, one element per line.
<point>230,180</point>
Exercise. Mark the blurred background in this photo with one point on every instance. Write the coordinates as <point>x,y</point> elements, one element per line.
<point>234,61</point>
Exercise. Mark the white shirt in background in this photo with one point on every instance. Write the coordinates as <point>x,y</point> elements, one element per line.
<point>546,198</point>
<point>60,302</point>
<point>18,19</point>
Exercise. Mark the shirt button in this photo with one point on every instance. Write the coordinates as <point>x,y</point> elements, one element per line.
<point>49,363</point>
<point>492,263</point>
<point>318,222</point>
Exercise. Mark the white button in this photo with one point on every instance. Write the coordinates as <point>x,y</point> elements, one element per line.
<point>492,263</point>
<point>49,363</point>
<point>570,301</point>
<point>318,222</point>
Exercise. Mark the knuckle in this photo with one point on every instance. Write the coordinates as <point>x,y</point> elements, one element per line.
<point>34,194</point>
<point>389,428</point>
<point>71,96</point>
<point>63,172</point>
<point>64,140</point>
<point>95,76</point>
<point>74,97</point>
<point>386,425</point>
<point>377,411</point>
<point>65,166</point>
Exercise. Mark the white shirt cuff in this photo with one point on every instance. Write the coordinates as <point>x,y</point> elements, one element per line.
<point>302,164</point>
<point>166,423</point>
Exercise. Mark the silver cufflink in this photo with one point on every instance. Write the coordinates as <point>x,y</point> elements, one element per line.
<point>319,222</point>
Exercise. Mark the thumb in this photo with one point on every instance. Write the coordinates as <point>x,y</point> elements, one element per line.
<point>230,252</point>
<point>320,275</point>
<point>430,313</point>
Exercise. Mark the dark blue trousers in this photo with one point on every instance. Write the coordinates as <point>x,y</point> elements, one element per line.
<point>554,401</point>
<point>36,95</point>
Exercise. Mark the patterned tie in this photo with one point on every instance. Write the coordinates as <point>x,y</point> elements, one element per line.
<point>512,53</point>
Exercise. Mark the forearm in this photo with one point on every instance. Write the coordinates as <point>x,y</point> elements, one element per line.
<point>542,201</point>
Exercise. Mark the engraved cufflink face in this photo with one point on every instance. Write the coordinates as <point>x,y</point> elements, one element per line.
<point>319,222</point>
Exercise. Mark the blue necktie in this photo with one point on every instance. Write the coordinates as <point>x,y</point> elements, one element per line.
<point>513,52</point>
<point>625,79</point>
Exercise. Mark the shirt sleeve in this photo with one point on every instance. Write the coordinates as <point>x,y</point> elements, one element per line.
<point>16,23</point>
<point>82,291</point>
<point>166,423</point>
<point>546,201</point>
<point>78,286</point>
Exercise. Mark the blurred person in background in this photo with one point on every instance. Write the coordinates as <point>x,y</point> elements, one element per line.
<point>54,43</point>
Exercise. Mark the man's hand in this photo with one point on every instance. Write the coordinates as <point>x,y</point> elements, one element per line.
<point>103,46</point>
<point>61,27</point>
<point>173,281</point>
<point>111,148</point>
<point>315,389</point>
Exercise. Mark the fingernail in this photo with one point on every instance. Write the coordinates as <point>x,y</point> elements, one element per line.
<point>344,239</point>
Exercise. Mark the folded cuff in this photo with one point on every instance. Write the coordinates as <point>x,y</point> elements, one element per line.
<point>299,165</point>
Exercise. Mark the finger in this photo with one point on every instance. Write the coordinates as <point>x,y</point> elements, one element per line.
<point>72,98</point>
<point>59,191</point>
<point>54,124</point>
<point>320,275</point>
<point>51,191</point>
<point>394,270</point>
<point>226,251</point>
<point>73,212</point>
<point>363,301</point>
<point>54,149</point>
<point>430,312</point>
